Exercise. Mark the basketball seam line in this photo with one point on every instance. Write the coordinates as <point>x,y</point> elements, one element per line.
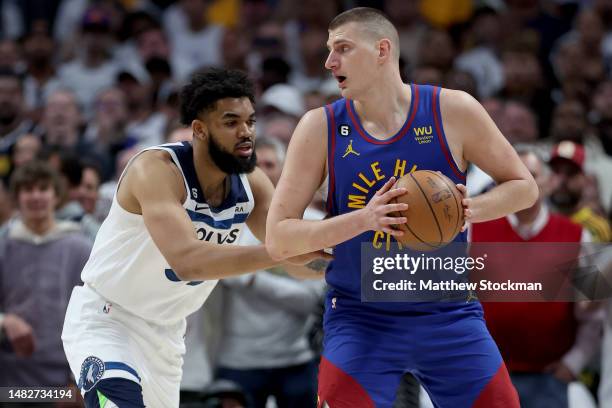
<point>458,211</point>
<point>430,207</point>
<point>410,229</point>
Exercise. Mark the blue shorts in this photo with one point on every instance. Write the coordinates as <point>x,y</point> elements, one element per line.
<point>446,346</point>
<point>111,392</point>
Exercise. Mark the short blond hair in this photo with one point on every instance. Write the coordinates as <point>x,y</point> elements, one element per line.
<point>373,21</point>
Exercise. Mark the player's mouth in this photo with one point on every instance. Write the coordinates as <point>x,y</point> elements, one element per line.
<point>341,80</point>
<point>244,149</point>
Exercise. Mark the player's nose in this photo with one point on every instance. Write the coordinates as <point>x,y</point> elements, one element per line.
<point>331,62</point>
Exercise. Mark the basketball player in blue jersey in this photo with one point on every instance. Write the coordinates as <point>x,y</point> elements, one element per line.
<point>163,246</point>
<point>380,130</point>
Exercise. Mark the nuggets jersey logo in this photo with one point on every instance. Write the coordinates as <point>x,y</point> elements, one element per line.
<point>420,144</point>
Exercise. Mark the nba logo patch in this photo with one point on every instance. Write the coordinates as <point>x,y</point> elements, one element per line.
<point>92,371</point>
<point>107,307</point>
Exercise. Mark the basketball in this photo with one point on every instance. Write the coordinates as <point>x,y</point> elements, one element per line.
<point>434,214</point>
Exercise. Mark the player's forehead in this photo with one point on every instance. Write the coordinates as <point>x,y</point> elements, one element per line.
<point>234,107</point>
<point>348,32</point>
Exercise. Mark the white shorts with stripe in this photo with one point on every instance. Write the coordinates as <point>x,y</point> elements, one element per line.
<point>102,340</point>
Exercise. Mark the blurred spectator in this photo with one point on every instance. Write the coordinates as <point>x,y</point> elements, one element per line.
<point>40,262</point>
<point>6,208</point>
<point>461,80</point>
<point>563,336</point>
<point>89,187</point>
<point>312,72</point>
<point>518,123</point>
<point>495,108</point>
<point>254,13</point>
<point>69,207</point>
<point>107,131</point>
<point>180,134</point>
<point>531,15</point>
<point>93,69</point>
<point>567,162</point>
<point>437,50</point>
<point>235,49</point>
<point>523,80</point>
<point>264,345</point>
<point>11,20</point>
<point>13,120</point>
<point>428,75</point>
<point>411,29</point>
<point>25,150</point>
<point>282,106</point>
<point>106,192</point>
<point>306,16</point>
<point>41,80</point>
<point>145,125</point>
<point>601,114</point>
<point>482,59</point>
<point>10,55</point>
<point>569,122</point>
<point>61,120</point>
<point>588,36</point>
<point>195,43</point>
<point>274,70</point>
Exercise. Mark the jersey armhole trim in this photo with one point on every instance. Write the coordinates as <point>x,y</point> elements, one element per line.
<point>331,150</point>
<point>437,114</point>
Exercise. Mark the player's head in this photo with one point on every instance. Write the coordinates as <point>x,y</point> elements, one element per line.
<point>218,105</point>
<point>363,45</point>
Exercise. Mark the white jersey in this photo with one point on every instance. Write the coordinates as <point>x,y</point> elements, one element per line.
<point>127,268</point>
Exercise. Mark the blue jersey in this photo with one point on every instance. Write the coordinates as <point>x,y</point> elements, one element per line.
<point>369,346</point>
<point>360,164</point>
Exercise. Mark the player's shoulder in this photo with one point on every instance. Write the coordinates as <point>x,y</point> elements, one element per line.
<point>459,105</point>
<point>154,168</point>
<point>155,161</point>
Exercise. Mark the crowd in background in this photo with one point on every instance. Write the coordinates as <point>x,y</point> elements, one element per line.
<point>86,84</point>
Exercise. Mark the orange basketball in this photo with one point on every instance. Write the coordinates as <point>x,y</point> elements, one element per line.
<point>435,213</point>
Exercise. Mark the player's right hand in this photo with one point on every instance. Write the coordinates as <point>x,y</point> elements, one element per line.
<point>20,334</point>
<point>375,215</point>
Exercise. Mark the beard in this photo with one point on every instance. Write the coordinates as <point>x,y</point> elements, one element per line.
<point>565,200</point>
<point>227,162</point>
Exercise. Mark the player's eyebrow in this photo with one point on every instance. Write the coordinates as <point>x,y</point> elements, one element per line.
<point>337,42</point>
<point>234,115</point>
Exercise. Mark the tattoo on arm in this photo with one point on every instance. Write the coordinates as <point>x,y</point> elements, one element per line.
<point>318,265</point>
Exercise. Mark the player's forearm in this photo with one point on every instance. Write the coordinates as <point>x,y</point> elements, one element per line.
<point>506,198</point>
<point>217,261</point>
<point>292,237</point>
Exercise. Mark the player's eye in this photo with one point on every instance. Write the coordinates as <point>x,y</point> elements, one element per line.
<point>231,123</point>
<point>251,122</point>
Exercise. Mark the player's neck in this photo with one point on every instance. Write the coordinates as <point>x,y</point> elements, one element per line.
<point>382,99</point>
<point>211,178</point>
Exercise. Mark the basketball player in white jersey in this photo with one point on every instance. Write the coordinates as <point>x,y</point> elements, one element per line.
<point>160,251</point>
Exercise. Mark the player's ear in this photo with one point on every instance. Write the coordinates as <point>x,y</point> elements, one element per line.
<point>200,130</point>
<point>384,49</point>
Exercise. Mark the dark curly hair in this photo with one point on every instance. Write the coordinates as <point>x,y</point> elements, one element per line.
<point>206,87</point>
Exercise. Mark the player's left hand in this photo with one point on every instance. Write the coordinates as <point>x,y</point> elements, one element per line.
<point>466,202</point>
<point>561,372</point>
